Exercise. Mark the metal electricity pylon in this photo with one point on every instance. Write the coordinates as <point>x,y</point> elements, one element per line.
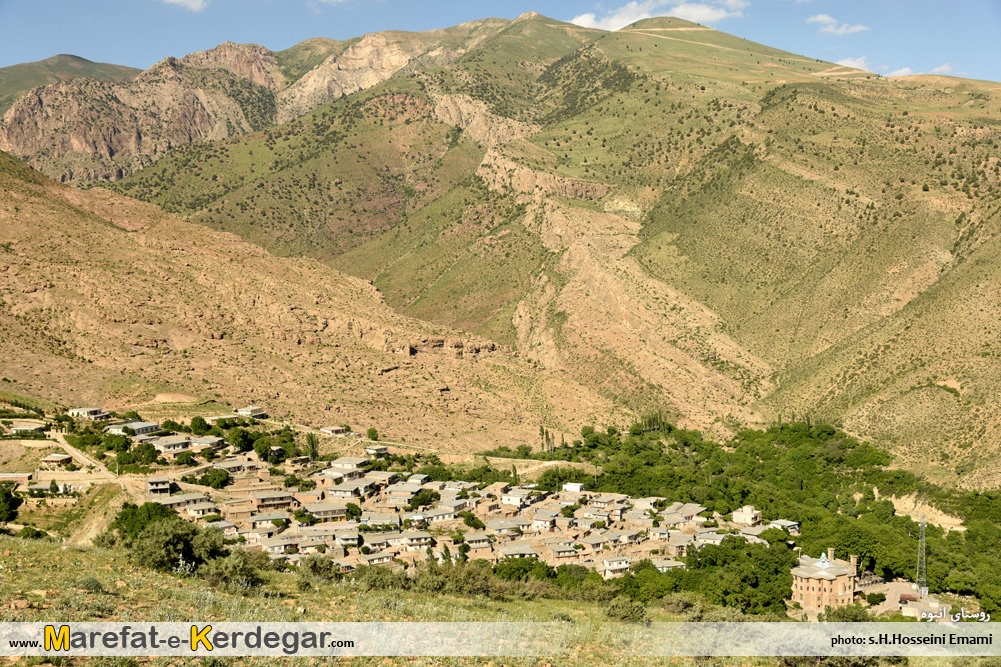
<point>922,576</point>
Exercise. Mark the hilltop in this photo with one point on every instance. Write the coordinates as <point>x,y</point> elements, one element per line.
<point>18,79</point>
<point>678,219</point>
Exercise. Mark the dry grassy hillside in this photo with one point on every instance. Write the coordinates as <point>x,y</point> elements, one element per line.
<point>109,301</point>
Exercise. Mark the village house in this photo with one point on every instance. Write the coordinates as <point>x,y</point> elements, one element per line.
<point>379,519</point>
<point>792,527</point>
<point>24,428</point>
<point>376,558</point>
<point>478,541</point>
<point>353,489</point>
<point>273,500</point>
<point>351,467</point>
<point>156,486</point>
<point>334,430</point>
<point>21,479</point>
<point>516,497</point>
<point>823,582</point>
<point>666,565</point>
<point>574,487</point>
<point>517,550</point>
<point>439,515</point>
<point>237,510</point>
<point>400,494</point>
<point>595,543</point>
<point>747,516</point>
<point>201,509</point>
<point>181,500</point>
<point>137,428</point>
<point>377,451</point>
<point>267,518</point>
<point>412,540</point>
<point>253,412</point>
<point>327,512</point>
<point>614,566</point>
<point>56,460</point>
<point>92,414</point>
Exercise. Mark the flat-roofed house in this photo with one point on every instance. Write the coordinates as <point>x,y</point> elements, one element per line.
<point>439,515</point>
<point>334,430</point>
<point>614,566</point>
<point>666,565</point>
<point>138,428</point>
<point>57,460</point>
<point>478,540</point>
<point>21,479</point>
<point>377,451</point>
<point>272,500</point>
<point>156,486</point>
<point>747,516</point>
<point>518,550</point>
<point>327,512</point>
<point>181,500</point>
<point>237,510</point>
<point>93,414</point>
<point>352,467</point>
<point>379,519</point>
<point>791,526</point>
<point>253,412</point>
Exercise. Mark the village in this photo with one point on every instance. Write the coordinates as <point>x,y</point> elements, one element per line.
<point>355,512</point>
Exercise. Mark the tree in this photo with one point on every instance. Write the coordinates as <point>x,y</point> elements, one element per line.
<point>312,446</point>
<point>185,459</point>
<point>134,519</point>
<point>372,434</point>
<point>423,498</point>
<point>239,439</point>
<point>165,545</point>
<point>215,478</point>
<point>54,488</point>
<point>199,426</point>
<point>875,599</point>
<point>9,503</point>
<point>354,512</point>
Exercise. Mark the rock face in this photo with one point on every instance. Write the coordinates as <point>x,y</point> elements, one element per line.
<point>88,129</point>
<point>502,173</point>
<point>250,61</point>
<point>475,119</point>
<point>94,130</point>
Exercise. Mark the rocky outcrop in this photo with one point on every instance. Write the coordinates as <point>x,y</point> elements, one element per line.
<point>502,173</point>
<point>87,129</point>
<point>475,119</point>
<point>249,61</point>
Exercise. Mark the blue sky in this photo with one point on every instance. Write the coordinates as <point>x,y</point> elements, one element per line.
<point>884,36</point>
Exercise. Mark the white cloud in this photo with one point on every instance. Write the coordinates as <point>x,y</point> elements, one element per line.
<point>191,5</point>
<point>706,11</point>
<point>903,71</point>
<point>829,24</point>
<point>857,63</point>
<point>941,69</point>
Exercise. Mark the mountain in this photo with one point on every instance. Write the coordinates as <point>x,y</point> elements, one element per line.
<point>18,79</point>
<point>93,129</point>
<point>680,220</point>
<point>109,301</point>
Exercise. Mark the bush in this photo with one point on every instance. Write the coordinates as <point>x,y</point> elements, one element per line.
<point>372,434</point>
<point>31,533</point>
<point>875,599</point>
<point>236,569</point>
<point>91,585</point>
<point>624,609</point>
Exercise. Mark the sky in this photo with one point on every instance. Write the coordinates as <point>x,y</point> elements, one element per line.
<point>888,37</point>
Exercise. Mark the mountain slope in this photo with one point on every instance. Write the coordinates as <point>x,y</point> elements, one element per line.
<point>680,220</point>
<point>92,312</point>
<point>18,79</point>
